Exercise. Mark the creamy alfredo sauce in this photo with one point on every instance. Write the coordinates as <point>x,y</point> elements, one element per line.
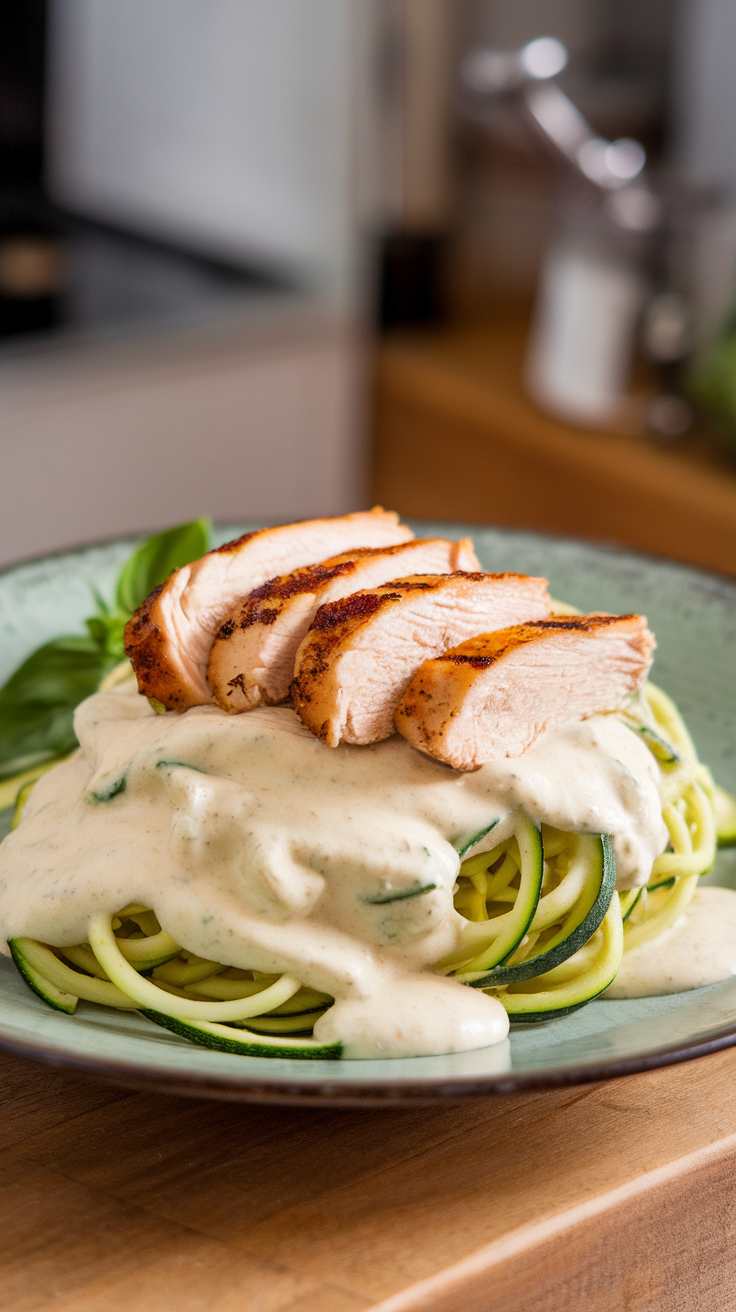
<point>699,949</point>
<point>258,846</point>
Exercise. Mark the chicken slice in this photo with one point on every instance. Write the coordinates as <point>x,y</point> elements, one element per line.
<point>492,696</point>
<point>170,637</point>
<point>252,660</point>
<point>356,661</point>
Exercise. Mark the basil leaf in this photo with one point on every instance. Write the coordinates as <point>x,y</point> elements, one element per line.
<point>38,701</point>
<point>156,558</point>
<point>108,632</point>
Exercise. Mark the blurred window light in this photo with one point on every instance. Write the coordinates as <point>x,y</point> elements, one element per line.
<point>558,118</point>
<point>497,71</point>
<point>592,159</point>
<point>611,163</point>
<point>543,58</point>
<point>625,158</point>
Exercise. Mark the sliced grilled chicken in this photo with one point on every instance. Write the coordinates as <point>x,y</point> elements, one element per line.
<point>355,662</point>
<point>170,637</point>
<point>492,696</point>
<point>253,657</point>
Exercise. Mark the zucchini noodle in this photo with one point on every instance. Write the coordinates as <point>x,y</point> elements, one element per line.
<point>223,1007</point>
<point>570,935</point>
<point>545,930</point>
<point>688,812</point>
<point>567,953</point>
<point>588,972</point>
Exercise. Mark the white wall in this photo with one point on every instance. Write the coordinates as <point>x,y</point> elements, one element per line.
<point>247,129</point>
<point>226,124</point>
<point>101,445</point>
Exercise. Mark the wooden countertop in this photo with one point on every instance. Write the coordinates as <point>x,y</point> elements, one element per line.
<point>457,438</point>
<point>614,1197</point>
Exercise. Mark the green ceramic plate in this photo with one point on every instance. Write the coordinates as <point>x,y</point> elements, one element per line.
<point>694,617</point>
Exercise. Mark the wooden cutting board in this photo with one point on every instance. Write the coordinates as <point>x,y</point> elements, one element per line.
<point>614,1197</point>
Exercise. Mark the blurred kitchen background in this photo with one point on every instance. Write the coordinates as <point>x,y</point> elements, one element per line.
<point>266,259</point>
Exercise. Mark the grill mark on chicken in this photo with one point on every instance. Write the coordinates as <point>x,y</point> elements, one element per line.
<point>170,637</point>
<point>264,615</point>
<point>237,544</point>
<point>304,580</point>
<point>261,636</point>
<point>495,694</point>
<point>361,652</point>
<point>331,618</point>
<point>359,605</point>
<point>146,648</point>
<point>583,624</point>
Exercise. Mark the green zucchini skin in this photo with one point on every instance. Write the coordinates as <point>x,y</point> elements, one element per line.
<point>54,997</point>
<point>561,999</point>
<point>539,1017</point>
<point>554,1013</point>
<point>658,746</point>
<point>471,842</point>
<point>525,907</point>
<point>298,1023</point>
<point>145,967</point>
<point>518,1015</point>
<point>577,939</point>
<point>627,913</point>
<point>243,1047</point>
<point>385,899</point>
<point>663,883</point>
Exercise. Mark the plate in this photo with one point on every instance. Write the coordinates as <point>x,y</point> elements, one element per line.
<point>694,617</point>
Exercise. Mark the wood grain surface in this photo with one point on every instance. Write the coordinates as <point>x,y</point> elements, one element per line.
<point>457,438</point>
<point>615,1197</point>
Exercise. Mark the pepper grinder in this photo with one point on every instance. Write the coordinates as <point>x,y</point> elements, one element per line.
<point>595,279</point>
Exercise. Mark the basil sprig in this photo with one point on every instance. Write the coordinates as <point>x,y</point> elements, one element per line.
<point>38,701</point>
<point>156,558</point>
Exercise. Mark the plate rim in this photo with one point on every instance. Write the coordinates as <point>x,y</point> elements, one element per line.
<point>242,1087</point>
